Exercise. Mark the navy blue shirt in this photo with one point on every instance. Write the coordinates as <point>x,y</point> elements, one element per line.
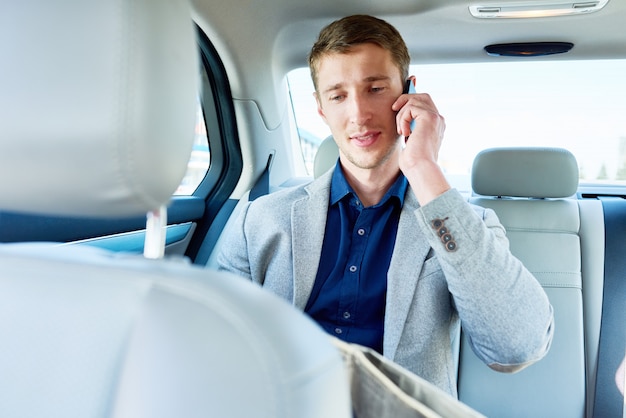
<point>349,294</point>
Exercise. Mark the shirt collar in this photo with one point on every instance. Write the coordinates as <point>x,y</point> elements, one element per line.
<point>339,188</point>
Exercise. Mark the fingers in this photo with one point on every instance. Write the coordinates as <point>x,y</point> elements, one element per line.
<point>416,107</point>
<point>422,100</point>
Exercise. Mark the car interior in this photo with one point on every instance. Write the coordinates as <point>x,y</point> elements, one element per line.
<point>133,131</point>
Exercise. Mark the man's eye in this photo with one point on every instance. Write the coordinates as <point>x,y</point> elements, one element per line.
<point>336,98</point>
<point>377,89</point>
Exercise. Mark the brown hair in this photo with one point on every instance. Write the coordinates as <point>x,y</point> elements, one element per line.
<point>341,35</point>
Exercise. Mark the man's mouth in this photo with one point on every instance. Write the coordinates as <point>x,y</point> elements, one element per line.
<point>365,139</point>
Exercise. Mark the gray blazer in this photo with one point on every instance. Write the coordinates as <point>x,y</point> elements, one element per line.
<point>277,242</point>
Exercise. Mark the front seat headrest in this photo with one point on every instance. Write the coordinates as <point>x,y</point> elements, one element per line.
<point>105,136</point>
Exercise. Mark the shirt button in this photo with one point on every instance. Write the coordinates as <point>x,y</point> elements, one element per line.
<point>361,231</point>
<point>352,269</point>
<point>338,331</point>
<point>346,315</point>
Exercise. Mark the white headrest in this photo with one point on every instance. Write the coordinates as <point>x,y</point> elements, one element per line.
<point>97,106</point>
<point>525,172</point>
<point>325,157</point>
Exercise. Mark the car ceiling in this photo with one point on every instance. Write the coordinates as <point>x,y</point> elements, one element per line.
<point>247,32</point>
<point>436,31</point>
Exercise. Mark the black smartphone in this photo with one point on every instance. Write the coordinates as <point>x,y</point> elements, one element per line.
<point>409,88</point>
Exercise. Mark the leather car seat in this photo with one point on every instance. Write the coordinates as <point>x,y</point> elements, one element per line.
<point>560,239</point>
<point>97,116</point>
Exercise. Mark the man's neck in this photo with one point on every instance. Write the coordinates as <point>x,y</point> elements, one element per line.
<point>370,185</point>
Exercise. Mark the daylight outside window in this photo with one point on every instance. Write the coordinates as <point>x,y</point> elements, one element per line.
<point>574,105</point>
<point>199,161</point>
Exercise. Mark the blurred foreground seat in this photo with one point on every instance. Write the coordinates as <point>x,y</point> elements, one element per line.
<point>97,115</point>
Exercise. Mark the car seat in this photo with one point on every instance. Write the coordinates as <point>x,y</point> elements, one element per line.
<point>560,240</point>
<point>97,117</point>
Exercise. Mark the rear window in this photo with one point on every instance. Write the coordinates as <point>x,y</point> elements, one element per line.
<point>577,105</point>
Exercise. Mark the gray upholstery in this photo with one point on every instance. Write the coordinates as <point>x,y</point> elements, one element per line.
<point>98,106</point>
<point>546,233</point>
<point>525,172</point>
<point>325,157</point>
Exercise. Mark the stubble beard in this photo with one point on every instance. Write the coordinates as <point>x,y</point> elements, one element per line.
<point>369,164</point>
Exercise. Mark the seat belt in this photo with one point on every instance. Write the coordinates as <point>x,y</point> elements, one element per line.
<point>609,402</point>
<point>262,185</point>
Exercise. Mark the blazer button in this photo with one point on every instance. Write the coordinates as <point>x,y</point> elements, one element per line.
<point>437,223</point>
<point>444,234</point>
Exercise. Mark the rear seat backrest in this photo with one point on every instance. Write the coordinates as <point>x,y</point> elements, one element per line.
<point>531,190</point>
<point>325,157</point>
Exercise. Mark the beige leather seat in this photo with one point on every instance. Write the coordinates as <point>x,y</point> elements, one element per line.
<point>560,240</point>
<point>96,119</point>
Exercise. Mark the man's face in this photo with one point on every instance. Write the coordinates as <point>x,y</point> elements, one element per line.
<point>356,91</point>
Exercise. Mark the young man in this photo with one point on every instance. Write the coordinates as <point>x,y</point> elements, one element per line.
<point>381,251</point>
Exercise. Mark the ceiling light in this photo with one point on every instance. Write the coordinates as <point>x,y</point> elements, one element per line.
<point>528,49</point>
<point>532,9</point>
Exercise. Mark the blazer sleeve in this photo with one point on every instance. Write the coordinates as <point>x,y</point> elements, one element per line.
<point>503,308</point>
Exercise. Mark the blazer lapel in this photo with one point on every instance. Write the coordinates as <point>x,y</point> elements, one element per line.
<point>308,220</point>
<point>406,262</point>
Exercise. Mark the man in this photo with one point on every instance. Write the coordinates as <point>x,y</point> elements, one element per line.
<point>381,251</point>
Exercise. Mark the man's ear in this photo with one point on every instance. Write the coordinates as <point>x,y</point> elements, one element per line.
<point>320,111</point>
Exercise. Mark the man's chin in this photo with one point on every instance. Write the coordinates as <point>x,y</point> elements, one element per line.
<point>370,161</point>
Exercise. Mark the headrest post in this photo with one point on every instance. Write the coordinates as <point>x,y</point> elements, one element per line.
<point>156,222</point>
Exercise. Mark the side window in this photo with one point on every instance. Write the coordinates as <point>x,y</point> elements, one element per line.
<point>199,161</point>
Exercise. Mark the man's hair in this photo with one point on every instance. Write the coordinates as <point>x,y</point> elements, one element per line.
<point>342,35</point>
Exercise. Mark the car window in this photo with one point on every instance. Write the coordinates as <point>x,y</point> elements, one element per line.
<point>574,105</point>
<point>199,161</point>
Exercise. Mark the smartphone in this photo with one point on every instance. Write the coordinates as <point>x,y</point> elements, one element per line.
<point>409,88</point>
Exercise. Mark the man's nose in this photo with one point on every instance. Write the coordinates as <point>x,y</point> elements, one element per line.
<point>360,111</point>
